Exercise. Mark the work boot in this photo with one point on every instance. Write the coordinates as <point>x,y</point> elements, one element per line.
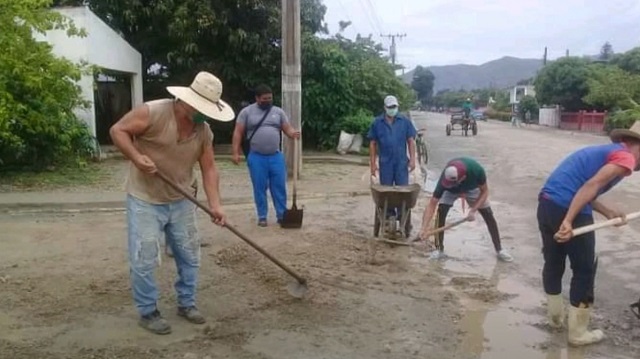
<point>579,334</point>
<point>504,256</point>
<point>191,314</point>
<point>154,323</point>
<point>555,310</point>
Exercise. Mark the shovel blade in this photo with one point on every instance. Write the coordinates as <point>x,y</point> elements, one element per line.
<point>292,218</point>
<point>297,289</point>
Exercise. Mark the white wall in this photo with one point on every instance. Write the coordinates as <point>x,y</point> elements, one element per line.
<point>102,47</point>
<point>550,117</point>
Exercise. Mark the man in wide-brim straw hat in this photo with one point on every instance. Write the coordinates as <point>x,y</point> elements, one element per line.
<point>170,136</point>
<point>566,201</point>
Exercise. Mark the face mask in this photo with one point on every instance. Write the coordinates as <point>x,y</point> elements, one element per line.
<point>199,118</point>
<point>264,105</point>
<point>391,112</point>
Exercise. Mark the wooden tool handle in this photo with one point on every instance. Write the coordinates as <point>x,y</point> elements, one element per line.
<point>604,224</point>
<point>446,227</point>
<point>232,229</point>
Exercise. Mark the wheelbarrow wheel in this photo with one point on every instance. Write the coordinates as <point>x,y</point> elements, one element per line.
<point>376,224</point>
<point>408,227</point>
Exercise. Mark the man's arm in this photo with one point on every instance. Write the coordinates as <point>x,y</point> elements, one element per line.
<point>589,191</point>
<point>238,132</point>
<point>428,213</point>
<point>132,124</point>
<point>484,194</point>
<point>210,177</point>
<point>236,142</point>
<point>373,148</point>
<point>602,208</point>
<point>411,143</point>
<point>289,130</point>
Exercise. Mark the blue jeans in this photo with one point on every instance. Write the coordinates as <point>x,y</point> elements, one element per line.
<point>268,171</point>
<point>146,224</point>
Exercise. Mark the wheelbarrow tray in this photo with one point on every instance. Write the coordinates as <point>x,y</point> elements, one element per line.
<point>396,196</point>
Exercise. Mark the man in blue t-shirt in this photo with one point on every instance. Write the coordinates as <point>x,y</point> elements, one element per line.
<point>567,200</point>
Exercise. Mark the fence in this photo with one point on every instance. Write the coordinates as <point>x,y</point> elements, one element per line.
<point>550,117</point>
<point>583,121</point>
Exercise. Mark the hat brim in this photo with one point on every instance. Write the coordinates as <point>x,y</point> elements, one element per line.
<point>448,184</point>
<point>619,133</point>
<point>220,111</point>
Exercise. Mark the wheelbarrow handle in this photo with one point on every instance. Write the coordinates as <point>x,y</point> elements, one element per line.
<point>233,229</point>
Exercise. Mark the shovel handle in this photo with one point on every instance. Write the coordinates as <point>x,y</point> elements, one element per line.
<point>233,229</point>
<point>446,227</point>
<point>603,224</point>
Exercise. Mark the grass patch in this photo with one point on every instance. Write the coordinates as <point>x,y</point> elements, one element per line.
<point>70,175</point>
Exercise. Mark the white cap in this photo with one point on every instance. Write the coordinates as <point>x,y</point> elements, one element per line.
<point>390,101</point>
<point>451,173</point>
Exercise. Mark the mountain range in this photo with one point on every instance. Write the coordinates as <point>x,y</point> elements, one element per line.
<point>500,73</point>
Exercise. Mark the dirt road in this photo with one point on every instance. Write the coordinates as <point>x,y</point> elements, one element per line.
<point>64,290</point>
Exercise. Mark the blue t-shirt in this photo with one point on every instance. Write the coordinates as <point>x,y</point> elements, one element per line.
<point>392,138</point>
<point>576,169</point>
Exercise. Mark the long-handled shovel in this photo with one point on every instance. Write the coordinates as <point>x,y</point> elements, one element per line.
<point>292,218</point>
<point>297,289</point>
<point>442,229</point>
<point>603,224</point>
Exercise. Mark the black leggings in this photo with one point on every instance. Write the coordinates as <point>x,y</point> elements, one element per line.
<point>580,250</point>
<point>487,215</point>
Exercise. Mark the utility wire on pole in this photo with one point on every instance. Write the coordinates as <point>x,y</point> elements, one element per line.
<point>291,79</point>
<point>392,49</point>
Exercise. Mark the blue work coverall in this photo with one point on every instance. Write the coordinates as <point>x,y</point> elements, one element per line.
<point>391,140</point>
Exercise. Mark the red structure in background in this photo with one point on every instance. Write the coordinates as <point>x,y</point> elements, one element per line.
<point>583,121</point>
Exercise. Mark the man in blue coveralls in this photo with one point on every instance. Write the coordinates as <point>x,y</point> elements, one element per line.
<point>390,135</point>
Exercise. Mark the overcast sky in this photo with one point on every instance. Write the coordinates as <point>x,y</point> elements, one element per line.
<point>443,32</point>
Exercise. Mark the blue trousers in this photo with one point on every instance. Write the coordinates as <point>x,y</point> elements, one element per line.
<point>394,173</point>
<point>268,171</point>
<point>147,223</point>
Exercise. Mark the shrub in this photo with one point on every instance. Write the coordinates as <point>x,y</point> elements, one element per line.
<point>622,119</point>
<point>357,123</point>
<point>498,115</point>
<point>38,91</point>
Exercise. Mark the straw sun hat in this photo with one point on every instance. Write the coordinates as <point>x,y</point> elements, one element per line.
<point>204,95</point>
<point>618,134</point>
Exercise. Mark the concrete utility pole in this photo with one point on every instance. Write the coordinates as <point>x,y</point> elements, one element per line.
<point>392,49</point>
<point>291,79</point>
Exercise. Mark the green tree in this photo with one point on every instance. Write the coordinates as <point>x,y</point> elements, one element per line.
<point>606,52</point>
<point>563,82</point>
<point>611,88</point>
<point>38,91</point>
<point>422,83</point>
<point>629,61</point>
<point>528,103</point>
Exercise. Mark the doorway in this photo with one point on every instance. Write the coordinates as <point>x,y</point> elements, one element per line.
<point>113,99</point>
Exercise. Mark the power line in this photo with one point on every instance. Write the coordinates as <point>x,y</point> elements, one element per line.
<point>392,49</point>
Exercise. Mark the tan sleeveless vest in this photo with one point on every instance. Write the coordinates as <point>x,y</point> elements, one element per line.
<point>172,157</point>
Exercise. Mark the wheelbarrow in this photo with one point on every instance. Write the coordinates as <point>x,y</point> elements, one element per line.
<point>385,197</point>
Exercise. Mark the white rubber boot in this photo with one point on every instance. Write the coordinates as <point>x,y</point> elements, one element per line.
<point>579,334</point>
<point>555,310</point>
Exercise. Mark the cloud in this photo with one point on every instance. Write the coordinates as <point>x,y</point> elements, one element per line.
<point>443,32</point>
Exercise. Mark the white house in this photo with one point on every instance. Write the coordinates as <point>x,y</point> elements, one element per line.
<point>119,86</point>
<point>518,92</point>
